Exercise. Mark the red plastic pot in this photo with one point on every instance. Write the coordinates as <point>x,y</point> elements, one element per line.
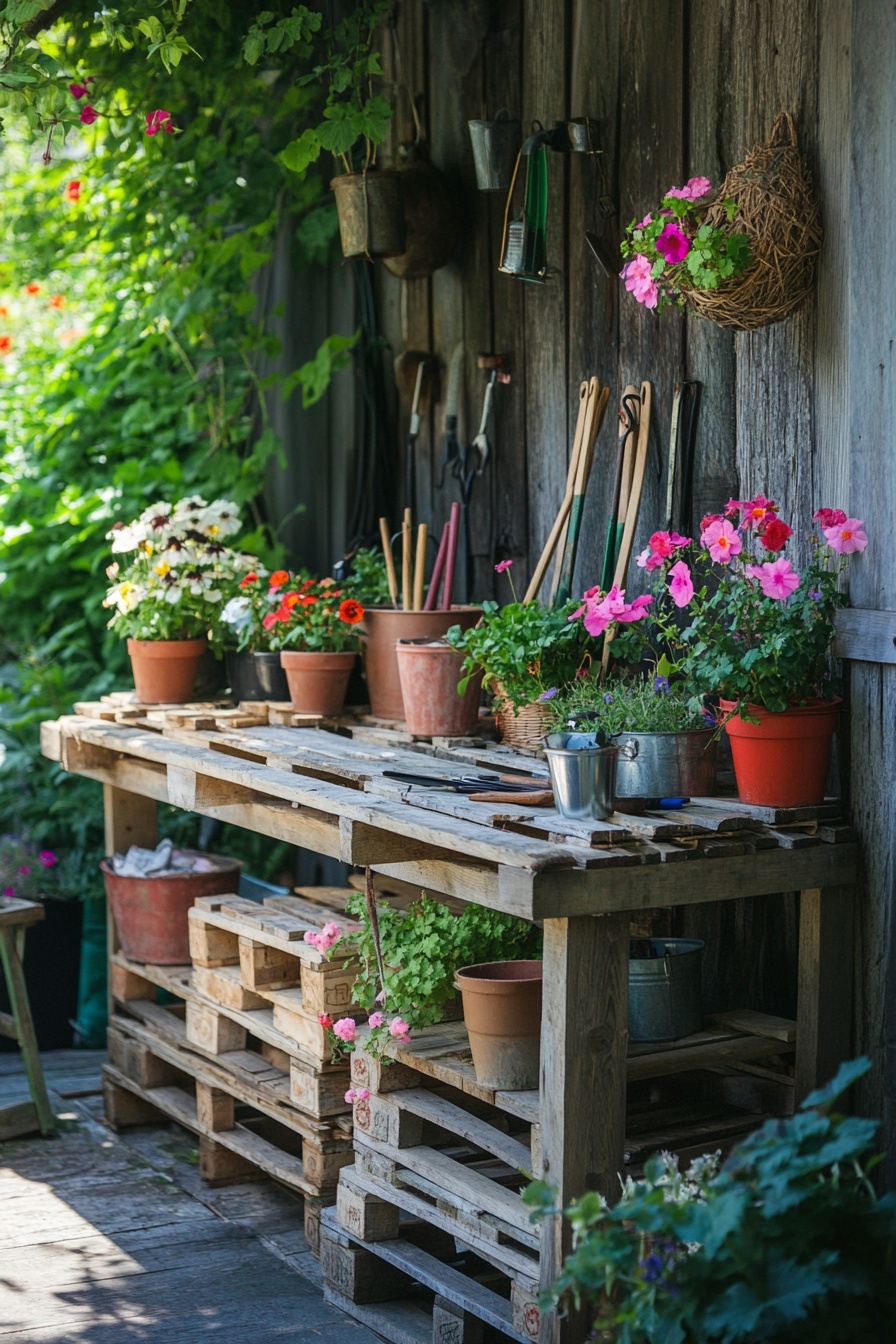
<point>429,678</point>
<point>782,761</point>
<point>151,913</point>
<point>165,669</point>
<point>317,681</point>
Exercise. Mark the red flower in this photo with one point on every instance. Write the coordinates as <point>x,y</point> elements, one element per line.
<point>33,288</point>
<point>88,115</point>
<point>278,578</point>
<point>159,120</point>
<point>708,519</point>
<point>72,192</point>
<point>5,345</point>
<point>775,534</point>
<point>249,578</point>
<point>289,600</point>
<point>271,619</point>
<point>80,91</point>
<point>57,301</point>
<point>325,1019</point>
<point>351,611</point>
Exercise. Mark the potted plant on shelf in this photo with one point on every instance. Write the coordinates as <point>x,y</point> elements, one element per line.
<point>253,662</point>
<point>169,595</point>
<point>759,637</point>
<point>314,627</point>
<point>524,651</point>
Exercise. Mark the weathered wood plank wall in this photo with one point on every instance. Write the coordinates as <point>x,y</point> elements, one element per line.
<point>800,410</point>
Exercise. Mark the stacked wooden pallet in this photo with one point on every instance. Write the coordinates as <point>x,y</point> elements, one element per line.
<point>240,1057</point>
<point>431,1144</point>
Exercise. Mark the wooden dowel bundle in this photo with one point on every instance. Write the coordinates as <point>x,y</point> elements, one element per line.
<point>413,564</point>
<point>451,560</point>
<point>390,562</point>
<point>406,561</point>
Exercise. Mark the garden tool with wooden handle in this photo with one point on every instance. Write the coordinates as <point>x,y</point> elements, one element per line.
<point>565,569</point>
<point>630,507</point>
<point>585,390</point>
<point>629,416</point>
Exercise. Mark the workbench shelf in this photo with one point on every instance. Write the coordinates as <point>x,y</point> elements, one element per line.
<point>325,788</point>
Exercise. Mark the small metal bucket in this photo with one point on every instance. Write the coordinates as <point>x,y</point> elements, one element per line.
<point>667,765</point>
<point>664,992</point>
<point>583,778</point>
<point>495,145</point>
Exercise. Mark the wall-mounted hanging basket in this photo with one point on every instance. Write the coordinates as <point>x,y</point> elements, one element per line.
<point>778,209</point>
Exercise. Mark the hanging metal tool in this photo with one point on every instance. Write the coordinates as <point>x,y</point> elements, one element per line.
<point>524,242</point>
<point>680,470</point>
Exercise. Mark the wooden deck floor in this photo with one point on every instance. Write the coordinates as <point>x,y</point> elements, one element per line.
<point>108,1239</point>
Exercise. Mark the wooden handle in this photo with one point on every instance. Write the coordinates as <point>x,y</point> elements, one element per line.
<point>586,395</point>
<point>633,507</point>
<point>559,522</point>
<point>390,562</point>
<point>406,593</point>
<point>420,567</point>
<point>435,582</point>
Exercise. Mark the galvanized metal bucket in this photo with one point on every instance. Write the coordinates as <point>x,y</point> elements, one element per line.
<point>495,145</point>
<point>583,778</point>
<point>664,992</point>
<point>667,765</point>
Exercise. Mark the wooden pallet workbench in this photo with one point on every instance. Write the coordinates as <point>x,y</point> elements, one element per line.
<point>325,790</point>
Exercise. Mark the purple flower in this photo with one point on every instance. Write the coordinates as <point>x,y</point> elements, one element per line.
<point>673,244</point>
<point>608,698</point>
<point>503,565</point>
<point>661,685</point>
<point>549,693</point>
<point>815,594</point>
<point>653,1267</point>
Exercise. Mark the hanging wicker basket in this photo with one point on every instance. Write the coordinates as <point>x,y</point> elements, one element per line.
<point>778,209</point>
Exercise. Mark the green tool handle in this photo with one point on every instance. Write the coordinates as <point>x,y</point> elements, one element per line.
<point>568,564</point>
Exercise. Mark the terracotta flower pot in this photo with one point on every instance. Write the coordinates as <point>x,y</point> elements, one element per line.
<point>151,913</point>
<point>429,674</point>
<point>502,1012</point>
<point>165,669</point>
<point>317,681</point>
<point>381,629</point>
<point>782,761</point>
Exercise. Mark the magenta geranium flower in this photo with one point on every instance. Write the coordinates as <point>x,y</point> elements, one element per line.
<point>80,91</point>
<point>680,584</point>
<point>777,578</point>
<point>47,858</point>
<point>664,543</point>
<point>673,244</point>
<point>160,120</point>
<point>829,517</point>
<point>846,537</point>
<point>648,559</point>
<point>503,565</point>
<point>722,541</point>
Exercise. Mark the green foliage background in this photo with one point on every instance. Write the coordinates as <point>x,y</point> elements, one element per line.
<point>143,384</point>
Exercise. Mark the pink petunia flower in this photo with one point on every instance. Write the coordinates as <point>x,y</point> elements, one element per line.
<point>777,578</point>
<point>638,280</point>
<point>680,585</point>
<point>757,511</point>
<point>375,1020</point>
<point>350,1096</point>
<point>829,517</point>
<point>79,91</point>
<point>599,614</point>
<point>25,869</point>
<point>673,244</point>
<point>160,120</point>
<point>47,858</point>
<point>345,1029</point>
<point>645,222</point>
<point>648,560</point>
<point>722,541</point>
<point>693,189</point>
<point>9,891</point>
<point>400,1030</point>
<point>846,537</point>
<point>503,565</point>
<point>88,115</point>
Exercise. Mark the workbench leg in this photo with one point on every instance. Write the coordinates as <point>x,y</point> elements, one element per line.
<point>825,986</point>
<point>584,1042</point>
<point>130,819</point>
<point>11,957</point>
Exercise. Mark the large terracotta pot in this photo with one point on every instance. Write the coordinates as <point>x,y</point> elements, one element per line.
<point>429,674</point>
<point>256,676</point>
<point>151,913</point>
<point>317,681</point>
<point>502,1012</point>
<point>381,629</point>
<point>165,669</point>
<point>782,761</point>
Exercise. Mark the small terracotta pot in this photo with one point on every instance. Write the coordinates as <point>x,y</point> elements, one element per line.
<point>381,629</point>
<point>782,761</point>
<point>151,913</point>
<point>165,669</point>
<point>502,1012</point>
<point>317,681</point>
<point>429,674</point>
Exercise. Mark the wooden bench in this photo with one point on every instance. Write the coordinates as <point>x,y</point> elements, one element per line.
<point>22,1117</point>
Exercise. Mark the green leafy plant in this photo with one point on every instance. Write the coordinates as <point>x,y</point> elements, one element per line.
<point>784,1244</point>
<point>524,650</point>
<point>651,704</point>
<point>677,248</point>
<point>368,580</point>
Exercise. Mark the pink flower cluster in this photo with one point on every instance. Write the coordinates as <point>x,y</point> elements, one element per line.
<point>325,939</point>
<point>693,189</point>
<point>598,611</point>
<point>659,548</point>
<point>639,281</point>
<point>357,1094</point>
<point>346,1029</point>
<point>843,535</point>
<point>160,120</point>
<point>777,578</point>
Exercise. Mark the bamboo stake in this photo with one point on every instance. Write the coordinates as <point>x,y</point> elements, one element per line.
<point>390,562</point>
<point>406,561</point>
<point>420,566</point>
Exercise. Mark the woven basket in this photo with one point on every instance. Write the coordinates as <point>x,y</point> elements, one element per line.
<point>778,209</point>
<point>525,728</point>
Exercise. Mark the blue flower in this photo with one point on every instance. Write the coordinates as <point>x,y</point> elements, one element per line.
<point>608,699</point>
<point>653,1267</point>
<point>661,685</point>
